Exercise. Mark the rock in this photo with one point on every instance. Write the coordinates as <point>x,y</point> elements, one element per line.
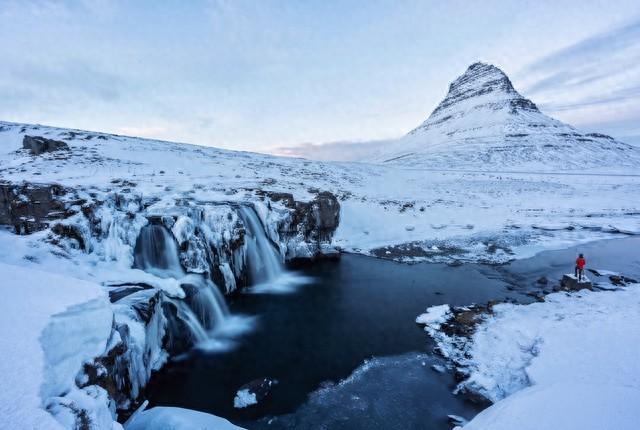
<point>38,145</point>
<point>543,280</point>
<point>70,231</point>
<point>29,207</point>
<point>570,282</point>
<point>620,280</point>
<point>310,225</point>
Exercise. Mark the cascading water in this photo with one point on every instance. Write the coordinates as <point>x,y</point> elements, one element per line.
<point>264,262</point>
<point>203,308</point>
<point>267,273</point>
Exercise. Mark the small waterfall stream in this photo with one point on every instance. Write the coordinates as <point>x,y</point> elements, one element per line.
<point>265,264</point>
<point>204,307</point>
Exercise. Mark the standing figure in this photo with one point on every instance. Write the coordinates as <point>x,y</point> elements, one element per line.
<point>580,262</point>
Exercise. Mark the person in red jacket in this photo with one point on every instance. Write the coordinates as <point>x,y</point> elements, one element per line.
<point>580,262</point>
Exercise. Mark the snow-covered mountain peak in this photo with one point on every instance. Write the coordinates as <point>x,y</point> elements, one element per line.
<point>484,123</point>
<point>482,87</point>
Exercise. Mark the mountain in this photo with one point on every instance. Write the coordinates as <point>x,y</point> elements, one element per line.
<point>484,123</point>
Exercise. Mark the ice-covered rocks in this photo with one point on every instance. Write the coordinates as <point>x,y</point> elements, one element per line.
<point>253,392</point>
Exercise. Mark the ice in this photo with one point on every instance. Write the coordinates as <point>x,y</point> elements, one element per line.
<point>244,398</point>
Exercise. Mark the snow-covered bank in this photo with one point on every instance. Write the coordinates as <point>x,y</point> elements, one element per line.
<point>569,362</point>
<point>50,325</point>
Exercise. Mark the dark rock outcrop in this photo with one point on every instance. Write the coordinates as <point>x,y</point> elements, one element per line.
<point>312,222</point>
<point>31,207</point>
<point>38,145</point>
<point>570,282</point>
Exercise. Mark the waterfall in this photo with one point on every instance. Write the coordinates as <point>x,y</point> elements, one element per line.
<point>266,271</point>
<point>264,263</point>
<point>203,308</point>
<point>156,252</point>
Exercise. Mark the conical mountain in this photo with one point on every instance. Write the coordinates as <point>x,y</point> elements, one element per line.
<point>484,123</point>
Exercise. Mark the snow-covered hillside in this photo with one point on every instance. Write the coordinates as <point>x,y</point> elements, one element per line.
<point>484,123</point>
<point>165,228</point>
<point>386,211</point>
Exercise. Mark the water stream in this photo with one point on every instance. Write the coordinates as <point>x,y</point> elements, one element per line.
<point>355,323</point>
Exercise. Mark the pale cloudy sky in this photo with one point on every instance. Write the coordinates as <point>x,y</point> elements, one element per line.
<point>263,75</point>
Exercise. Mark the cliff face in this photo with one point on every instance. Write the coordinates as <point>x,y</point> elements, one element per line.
<point>148,324</point>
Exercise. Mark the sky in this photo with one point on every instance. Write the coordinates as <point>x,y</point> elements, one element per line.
<point>312,77</point>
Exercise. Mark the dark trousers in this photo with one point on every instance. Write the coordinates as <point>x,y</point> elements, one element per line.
<point>579,272</point>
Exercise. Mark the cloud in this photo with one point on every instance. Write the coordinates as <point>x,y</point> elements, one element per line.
<point>604,68</point>
<point>333,151</point>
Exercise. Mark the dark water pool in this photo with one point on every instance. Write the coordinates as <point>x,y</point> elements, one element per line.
<point>353,310</point>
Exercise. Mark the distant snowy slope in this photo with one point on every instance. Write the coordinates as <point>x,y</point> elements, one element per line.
<point>484,123</point>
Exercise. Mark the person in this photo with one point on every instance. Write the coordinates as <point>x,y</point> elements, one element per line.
<point>580,262</point>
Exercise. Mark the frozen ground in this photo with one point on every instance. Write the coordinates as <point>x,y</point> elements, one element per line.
<point>570,362</point>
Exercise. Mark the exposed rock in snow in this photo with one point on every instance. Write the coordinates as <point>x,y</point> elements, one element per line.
<point>571,282</point>
<point>38,145</point>
<point>484,123</point>
<point>31,207</point>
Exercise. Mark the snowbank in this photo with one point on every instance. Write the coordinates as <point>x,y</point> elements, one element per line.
<point>563,406</point>
<point>570,362</point>
<point>49,327</point>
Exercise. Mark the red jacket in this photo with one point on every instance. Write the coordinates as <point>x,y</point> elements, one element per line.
<point>580,262</point>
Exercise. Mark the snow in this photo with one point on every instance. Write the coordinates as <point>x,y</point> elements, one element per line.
<point>579,406</point>
<point>570,362</point>
<point>441,207</point>
<point>244,398</point>
<point>434,316</point>
<point>170,418</point>
<point>45,310</point>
